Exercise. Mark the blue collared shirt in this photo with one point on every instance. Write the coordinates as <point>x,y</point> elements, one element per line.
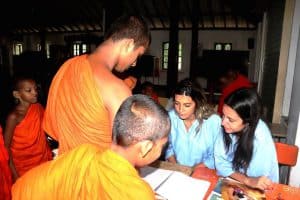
<point>264,159</point>
<point>191,147</point>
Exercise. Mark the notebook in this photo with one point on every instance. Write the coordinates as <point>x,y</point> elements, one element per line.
<point>174,185</point>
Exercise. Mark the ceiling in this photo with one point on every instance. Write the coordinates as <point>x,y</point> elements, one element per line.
<point>35,16</point>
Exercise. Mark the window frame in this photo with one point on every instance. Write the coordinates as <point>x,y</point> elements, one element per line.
<point>223,46</point>
<point>165,55</point>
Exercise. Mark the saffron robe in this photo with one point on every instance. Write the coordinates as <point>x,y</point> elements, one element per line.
<point>240,82</point>
<point>5,173</point>
<point>29,145</point>
<point>86,172</point>
<point>75,112</point>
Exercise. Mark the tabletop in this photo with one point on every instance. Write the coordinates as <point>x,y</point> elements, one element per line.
<point>279,191</point>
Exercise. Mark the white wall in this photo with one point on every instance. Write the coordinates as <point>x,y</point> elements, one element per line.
<point>293,119</point>
<point>295,171</point>
<point>239,40</point>
<point>207,38</point>
<point>291,60</point>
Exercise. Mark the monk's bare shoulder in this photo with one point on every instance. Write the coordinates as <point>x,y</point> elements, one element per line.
<point>15,116</point>
<point>113,90</point>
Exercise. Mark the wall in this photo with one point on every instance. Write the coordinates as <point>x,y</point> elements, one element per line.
<point>275,19</point>
<point>291,59</point>
<point>239,40</point>
<point>207,38</point>
<point>293,130</point>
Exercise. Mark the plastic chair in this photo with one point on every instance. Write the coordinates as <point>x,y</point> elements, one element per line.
<point>287,156</point>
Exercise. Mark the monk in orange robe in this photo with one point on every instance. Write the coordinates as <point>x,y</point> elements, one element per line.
<point>29,145</point>
<point>84,94</point>
<point>5,173</point>
<point>24,136</point>
<point>140,131</point>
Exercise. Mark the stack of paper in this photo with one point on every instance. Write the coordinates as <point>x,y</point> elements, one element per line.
<point>174,185</point>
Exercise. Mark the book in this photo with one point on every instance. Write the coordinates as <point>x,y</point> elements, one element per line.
<point>174,185</point>
<point>228,189</point>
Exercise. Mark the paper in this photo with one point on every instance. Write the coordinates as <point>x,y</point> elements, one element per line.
<point>174,185</point>
<point>228,188</point>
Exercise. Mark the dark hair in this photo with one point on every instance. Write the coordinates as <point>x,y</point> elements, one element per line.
<point>247,104</point>
<point>18,79</point>
<point>140,118</point>
<point>130,26</point>
<point>194,90</point>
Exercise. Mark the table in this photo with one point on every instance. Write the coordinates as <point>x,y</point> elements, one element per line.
<point>172,166</point>
<point>279,191</point>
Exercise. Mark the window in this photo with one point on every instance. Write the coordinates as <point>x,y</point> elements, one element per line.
<point>48,50</point>
<point>76,48</point>
<point>223,46</point>
<point>166,54</point>
<point>79,48</point>
<point>17,49</point>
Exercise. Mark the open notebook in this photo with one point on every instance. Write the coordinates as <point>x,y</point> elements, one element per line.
<point>174,185</point>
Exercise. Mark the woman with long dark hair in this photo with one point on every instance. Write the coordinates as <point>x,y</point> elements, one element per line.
<point>246,152</point>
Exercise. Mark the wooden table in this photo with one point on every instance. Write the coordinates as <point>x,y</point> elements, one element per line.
<point>172,166</point>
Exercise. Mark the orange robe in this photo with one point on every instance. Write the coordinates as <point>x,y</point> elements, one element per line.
<point>75,112</point>
<point>5,173</point>
<point>29,146</point>
<point>86,172</point>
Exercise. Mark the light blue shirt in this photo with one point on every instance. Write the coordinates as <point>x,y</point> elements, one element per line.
<point>264,159</point>
<point>191,147</point>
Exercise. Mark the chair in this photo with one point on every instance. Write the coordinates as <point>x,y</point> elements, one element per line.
<point>287,156</point>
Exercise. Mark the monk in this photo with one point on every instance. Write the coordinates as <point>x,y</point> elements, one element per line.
<point>140,131</point>
<point>84,94</point>
<point>230,81</point>
<point>5,173</point>
<point>24,136</point>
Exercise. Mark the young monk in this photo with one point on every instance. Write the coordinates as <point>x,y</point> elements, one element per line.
<point>24,137</point>
<point>230,81</point>
<point>5,173</point>
<point>140,131</point>
<point>85,95</point>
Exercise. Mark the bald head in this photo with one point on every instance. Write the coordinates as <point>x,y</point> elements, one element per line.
<point>140,118</point>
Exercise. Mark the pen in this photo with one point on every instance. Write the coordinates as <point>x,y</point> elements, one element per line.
<point>159,197</point>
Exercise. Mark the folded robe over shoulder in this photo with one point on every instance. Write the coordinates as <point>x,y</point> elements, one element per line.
<point>29,145</point>
<point>5,173</point>
<point>75,113</point>
<point>86,172</point>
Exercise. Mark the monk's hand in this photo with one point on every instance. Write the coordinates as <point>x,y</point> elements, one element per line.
<point>262,182</point>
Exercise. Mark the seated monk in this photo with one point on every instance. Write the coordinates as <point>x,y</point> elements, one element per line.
<point>140,131</point>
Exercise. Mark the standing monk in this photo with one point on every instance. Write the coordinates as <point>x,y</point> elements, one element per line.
<point>84,94</point>
<point>24,136</point>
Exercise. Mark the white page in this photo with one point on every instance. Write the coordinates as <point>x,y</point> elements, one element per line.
<point>178,186</point>
<point>154,176</point>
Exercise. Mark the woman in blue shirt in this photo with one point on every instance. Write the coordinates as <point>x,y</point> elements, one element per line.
<point>194,127</point>
<point>246,152</point>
